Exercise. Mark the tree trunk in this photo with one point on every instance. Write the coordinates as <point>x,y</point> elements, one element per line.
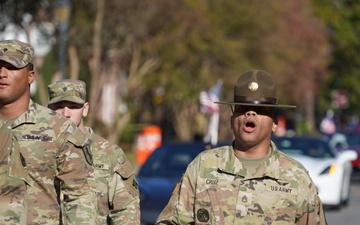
<point>42,89</point>
<point>310,109</point>
<point>94,63</point>
<point>74,63</point>
<point>184,122</point>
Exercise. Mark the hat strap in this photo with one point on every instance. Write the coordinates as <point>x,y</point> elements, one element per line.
<point>255,100</point>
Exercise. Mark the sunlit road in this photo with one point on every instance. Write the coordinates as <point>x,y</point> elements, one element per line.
<point>349,215</point>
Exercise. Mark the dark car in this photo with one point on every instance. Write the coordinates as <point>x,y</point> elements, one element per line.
<point>160,173</point>
<point>353,143</point>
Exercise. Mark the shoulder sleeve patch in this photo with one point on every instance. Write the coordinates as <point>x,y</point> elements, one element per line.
<point>88,154</point>
<point>125,169</point>
<point>76,136</point>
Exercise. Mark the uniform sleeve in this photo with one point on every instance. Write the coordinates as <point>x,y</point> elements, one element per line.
<point>75,172</point>
<point>310,209</point>
<point>124,194</point>
<point>180,208</point>
<point>315,213</point>
<point>13,180</point>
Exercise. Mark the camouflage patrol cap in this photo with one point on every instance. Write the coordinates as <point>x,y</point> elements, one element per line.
<point>17,53</point>
<point>67,90</point>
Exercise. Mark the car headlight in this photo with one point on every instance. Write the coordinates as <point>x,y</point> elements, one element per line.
<point>330,170</point>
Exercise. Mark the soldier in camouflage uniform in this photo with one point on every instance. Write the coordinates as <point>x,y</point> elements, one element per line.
<point>115,184</point>
<point>53,148</point>
<point>13,180</point>
<point>250,182</point>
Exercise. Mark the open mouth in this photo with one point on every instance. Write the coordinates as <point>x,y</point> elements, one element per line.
<point>250,125</point>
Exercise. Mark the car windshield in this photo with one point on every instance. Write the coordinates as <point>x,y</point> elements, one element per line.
<point>304,146</point>
<point>170,160</point>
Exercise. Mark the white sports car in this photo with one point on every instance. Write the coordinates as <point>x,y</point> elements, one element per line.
<point>330,169</point>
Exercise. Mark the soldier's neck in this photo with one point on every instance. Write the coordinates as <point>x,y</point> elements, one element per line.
<point>15,109</point>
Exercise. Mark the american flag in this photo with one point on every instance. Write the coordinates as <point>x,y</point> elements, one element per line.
<point>327,125</point>
<point>207,99</point>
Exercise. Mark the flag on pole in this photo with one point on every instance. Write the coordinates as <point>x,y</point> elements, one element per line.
<point>208,106</point>
<point>327,125</point>
<point>207,99</point>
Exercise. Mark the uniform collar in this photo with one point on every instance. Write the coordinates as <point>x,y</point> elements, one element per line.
<point>29,116</point>
<point>230,164</point>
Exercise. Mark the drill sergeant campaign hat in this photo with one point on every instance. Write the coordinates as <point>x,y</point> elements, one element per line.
<point>67,90</point>
<point>17,53</point>
<point>255,88</point>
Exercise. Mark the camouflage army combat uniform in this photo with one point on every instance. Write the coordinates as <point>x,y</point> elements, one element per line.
<point>13,180</point>
<point>115,184</point>
<point>217,189</point>
<point>53,149</point>
<point>116,187</point>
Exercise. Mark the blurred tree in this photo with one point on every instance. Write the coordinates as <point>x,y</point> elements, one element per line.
<point>142,33</point>
<point>298,53</point>
<point>30,21</point>
<point>13,11</point>
<point>147,61</point>
<point>285,39</point>
<point>343,22</point>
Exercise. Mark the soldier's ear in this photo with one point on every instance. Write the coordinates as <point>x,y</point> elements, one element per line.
<point>274,126</point>
<point>86,109</point>
<point>31,76</point>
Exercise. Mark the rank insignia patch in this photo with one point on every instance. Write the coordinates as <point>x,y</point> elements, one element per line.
<point>203,215</point>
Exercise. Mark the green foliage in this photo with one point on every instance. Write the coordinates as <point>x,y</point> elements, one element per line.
<point>199,42</point>
<point>343,22</point>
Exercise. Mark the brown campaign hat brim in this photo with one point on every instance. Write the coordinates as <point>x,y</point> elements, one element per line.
<point>256,104</point>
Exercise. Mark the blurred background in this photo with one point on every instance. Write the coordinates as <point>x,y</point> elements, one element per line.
<point>145,63</point>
